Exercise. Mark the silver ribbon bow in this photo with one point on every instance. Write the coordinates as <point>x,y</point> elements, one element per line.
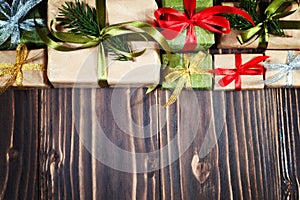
<point>285,70</point>
<point>14,14</point>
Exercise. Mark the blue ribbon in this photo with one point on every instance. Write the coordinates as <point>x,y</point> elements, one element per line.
<point>14,14</point>
<point>285,70</point>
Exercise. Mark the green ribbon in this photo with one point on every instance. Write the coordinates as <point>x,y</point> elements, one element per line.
<point>273,12</point>
<point>105,32</point>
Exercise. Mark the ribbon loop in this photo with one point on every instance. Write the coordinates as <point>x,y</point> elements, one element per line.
<point>15,71</point>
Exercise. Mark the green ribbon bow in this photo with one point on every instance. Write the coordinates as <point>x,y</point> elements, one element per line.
<point>105,32</point>
<point>273,12</point>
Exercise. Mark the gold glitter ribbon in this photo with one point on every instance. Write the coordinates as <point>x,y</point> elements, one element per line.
<point>183,74</point>
<point>15,71</point>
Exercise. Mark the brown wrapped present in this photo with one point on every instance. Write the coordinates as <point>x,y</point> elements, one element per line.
<point>238,71</point>
<point>282,69</point>
<point>81,68</point>
<point>23,68</point>
<point>291,40</point>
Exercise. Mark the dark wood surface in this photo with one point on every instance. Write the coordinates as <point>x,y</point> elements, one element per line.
<point>247,144</point>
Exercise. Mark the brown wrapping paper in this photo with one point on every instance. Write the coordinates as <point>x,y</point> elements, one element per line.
<point>117,10</point>
<point>292,41</point>
<point>31,78</point>
<point>79,68</point>
<point>142,71</point>
<point>228,62</point>
<point>278,57</point>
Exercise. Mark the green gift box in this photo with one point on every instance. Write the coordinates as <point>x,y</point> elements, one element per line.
<point>203,80</point>
<point>205,39</point>
<point>26,25</point>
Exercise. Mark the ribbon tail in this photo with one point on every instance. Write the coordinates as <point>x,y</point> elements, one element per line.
<point>289,24</point>
<point>101,68</point>
<point>8,83</point>
<point>177,91</point>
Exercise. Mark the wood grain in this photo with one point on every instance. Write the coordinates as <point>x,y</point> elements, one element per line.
<point>70,166</point>
<point>19,129</point>
<point>255,156</point>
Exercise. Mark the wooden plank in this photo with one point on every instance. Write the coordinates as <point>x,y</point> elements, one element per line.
<point>19,145</point>
<point>243,162</point>
<point>288,109</point>
<point>77,161</point>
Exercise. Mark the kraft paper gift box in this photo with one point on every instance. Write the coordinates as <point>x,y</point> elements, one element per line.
<point>228,61</point>
<point>291,41</point>
<point>205,39</point>
<point>33,72</point>
<point>198,81</point>
<point>277,75</point>
<point>79,68</point>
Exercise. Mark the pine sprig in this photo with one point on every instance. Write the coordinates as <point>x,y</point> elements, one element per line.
<point>119,42</point>
<point>250,6</point>
<point>78,18</point>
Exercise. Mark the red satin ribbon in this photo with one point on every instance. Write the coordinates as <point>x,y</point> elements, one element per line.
<point>174,22</point>
<point>251,67</point>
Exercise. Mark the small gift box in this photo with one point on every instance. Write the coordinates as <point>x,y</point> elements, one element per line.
<point>238,71</point>
<point>189,70</point>
<point>192,24</point>
<point>94,65</point>
<point>22,68</point>
<point>205,39</point>
<point>282,69</point>
<point>258,37</point>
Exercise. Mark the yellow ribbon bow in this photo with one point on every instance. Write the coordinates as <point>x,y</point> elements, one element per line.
<point>183,74</point>
<point>15,71</point>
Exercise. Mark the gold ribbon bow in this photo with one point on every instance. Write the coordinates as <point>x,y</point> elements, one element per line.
<point>15,71</point>
<point>183,74</point>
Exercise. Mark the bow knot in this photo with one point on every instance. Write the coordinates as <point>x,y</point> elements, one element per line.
<point>272,13</point>
<point>182,73</point>
<point>285,70</point>
<point>174,22</point>
<point>14,20</point>
<point>251,67</point>
<point>15,71</point>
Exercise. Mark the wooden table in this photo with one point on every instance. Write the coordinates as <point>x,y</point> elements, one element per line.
<point>248,144</point>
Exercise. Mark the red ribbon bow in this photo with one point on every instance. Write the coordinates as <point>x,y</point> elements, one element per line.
<point>251,67</point>
<point>174,22</point>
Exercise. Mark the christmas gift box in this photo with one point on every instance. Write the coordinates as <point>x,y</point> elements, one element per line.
<point>274,29</point>
<point>92,62</point>
<point>188,70</point>
<point>282,69</point>
<point>22,68</point>
<point>18,65</point>
<point>238,71</point>
<point>189,25</point>
<point>205,39</point>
